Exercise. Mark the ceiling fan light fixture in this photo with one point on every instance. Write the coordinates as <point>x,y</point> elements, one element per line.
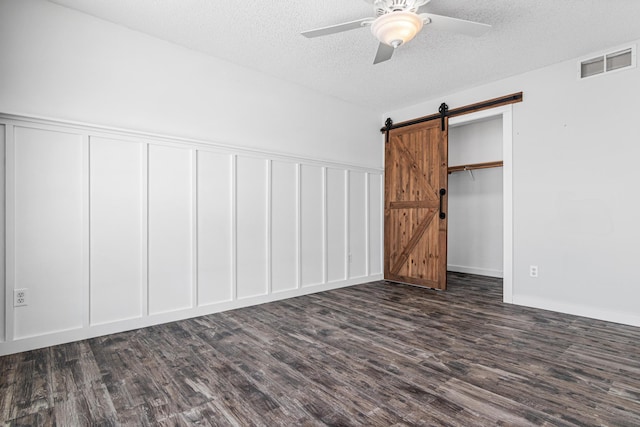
<point>396,28</point>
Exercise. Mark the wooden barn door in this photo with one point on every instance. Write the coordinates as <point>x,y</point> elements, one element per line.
<point>415,220</point>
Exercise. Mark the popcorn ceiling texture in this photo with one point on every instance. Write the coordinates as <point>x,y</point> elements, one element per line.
<point>265,36</point>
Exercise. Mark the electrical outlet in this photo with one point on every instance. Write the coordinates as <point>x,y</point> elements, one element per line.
<point>19,297</point>
<point>533,271</point>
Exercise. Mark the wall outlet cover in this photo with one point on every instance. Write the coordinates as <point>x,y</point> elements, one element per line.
<point>19,297</point>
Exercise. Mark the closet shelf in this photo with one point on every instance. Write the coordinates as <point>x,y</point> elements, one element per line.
<point>486,165</point>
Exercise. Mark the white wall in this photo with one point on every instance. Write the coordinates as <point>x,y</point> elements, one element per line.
<point>63,64</point>
<point>195,186</point>
<point>575,149</point>
<point>475,200</point>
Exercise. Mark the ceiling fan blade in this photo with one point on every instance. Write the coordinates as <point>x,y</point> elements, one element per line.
<point>385,52</point>
<point>447,23</point>
<point>338,28</point>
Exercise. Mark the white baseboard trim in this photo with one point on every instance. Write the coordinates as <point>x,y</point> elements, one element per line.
<point>67,336</point>
<point>475,270</point>
<point>578,310</point>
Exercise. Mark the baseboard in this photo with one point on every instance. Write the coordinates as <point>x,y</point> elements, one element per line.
<point>67,336</point>
<point>475,270</point>
<point>577,310</point>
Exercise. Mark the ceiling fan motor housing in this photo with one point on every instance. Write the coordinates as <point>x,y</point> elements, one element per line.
<point>383,7</point>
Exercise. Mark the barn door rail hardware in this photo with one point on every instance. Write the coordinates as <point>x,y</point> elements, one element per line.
<point>444,111</point>
<point>388,124</point>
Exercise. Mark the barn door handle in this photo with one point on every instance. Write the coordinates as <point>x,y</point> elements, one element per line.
<point>442,193</point>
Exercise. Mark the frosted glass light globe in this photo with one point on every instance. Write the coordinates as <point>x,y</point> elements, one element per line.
<point>396,28</point>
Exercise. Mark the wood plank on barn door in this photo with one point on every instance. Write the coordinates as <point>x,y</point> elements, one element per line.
<point>415,234</point>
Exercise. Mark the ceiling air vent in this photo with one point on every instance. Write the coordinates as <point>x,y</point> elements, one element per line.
<point>608,62</point>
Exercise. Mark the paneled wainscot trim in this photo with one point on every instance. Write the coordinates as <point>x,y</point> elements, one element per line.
<point>110,230</point>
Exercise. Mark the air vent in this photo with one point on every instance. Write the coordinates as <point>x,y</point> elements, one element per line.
<point>608,62</point>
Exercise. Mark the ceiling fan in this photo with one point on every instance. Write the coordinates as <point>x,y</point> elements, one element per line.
<point>397,21</point>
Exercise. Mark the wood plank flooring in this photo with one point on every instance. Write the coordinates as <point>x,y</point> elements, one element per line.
<point>373,354</point>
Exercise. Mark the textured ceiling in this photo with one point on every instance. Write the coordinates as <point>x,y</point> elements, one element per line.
<point>265,36</point>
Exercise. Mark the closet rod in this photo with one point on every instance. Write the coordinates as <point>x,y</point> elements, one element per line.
<point>473,166</point>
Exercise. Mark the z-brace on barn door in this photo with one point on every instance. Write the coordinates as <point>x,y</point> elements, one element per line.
<point>415,220</point>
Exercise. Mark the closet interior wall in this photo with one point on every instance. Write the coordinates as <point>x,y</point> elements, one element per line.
<point>475,238</point>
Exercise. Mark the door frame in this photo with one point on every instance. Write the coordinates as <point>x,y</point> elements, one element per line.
<point>506,111</point>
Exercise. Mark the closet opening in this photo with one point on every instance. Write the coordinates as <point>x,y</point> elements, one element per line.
<point>480,237</point>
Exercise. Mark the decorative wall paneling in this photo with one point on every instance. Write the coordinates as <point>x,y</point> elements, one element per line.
<point>111,230</point>
<point>118,235</point>
<point>49,228</point>
<point>358,250</point>
<point>285,249</point>
<point>3,290</point>
<point>312,230</point>
<point>337,225</point>
<point>171,262</point>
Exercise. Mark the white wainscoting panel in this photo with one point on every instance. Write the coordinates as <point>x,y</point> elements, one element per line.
<point>49,230</point>
<point>111,230</point>
<point>215,228</point>
<point>170,228</point>
<point>358,230</point>
<point>336,225</point>
<point>252,253</point>
<point>284,237</point>
<point>116,194</point>
<point>311,227</point>
<point>375,223</point>
<point>3,129</point>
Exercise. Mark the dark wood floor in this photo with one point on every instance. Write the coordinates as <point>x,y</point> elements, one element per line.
<point>374,354</point>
